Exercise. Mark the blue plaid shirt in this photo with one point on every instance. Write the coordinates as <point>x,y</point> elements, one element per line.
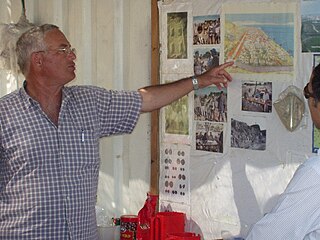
<point>49,174</point>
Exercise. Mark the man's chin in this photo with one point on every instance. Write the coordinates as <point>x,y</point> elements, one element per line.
<point>70,79</point>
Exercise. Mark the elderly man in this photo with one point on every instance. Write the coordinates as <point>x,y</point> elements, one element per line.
<point>49,138</point>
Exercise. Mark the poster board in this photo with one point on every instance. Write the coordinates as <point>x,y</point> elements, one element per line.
<point>240,155</point>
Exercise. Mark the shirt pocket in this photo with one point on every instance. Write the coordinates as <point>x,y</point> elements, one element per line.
<point>82,146</point>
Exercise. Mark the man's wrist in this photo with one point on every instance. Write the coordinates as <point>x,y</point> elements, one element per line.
<point>195,82</point>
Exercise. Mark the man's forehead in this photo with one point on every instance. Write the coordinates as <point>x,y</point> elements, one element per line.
<point>56,38</point>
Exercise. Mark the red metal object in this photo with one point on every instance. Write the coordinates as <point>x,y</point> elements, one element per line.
<point>145,215</point>
<point>165,223</point>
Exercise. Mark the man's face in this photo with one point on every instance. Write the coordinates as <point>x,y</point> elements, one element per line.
<point>58,61</point>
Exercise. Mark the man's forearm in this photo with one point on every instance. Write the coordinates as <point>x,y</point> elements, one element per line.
<point>157,96</point>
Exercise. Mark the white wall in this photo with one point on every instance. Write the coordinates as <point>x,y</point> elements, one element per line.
<point>113,45</point>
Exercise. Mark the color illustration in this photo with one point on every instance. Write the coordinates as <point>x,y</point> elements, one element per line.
<point>260,42</point>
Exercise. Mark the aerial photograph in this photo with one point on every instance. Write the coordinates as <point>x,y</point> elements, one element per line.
<point>260,43</point>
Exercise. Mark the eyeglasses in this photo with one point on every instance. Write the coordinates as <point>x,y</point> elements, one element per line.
<point>306,92</point>
<point>65,50</point>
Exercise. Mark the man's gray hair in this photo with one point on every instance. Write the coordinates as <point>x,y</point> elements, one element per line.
<point>29,42</point>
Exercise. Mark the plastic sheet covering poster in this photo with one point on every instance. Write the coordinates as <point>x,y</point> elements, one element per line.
<point>175,122</point>
<point>176,63</point>
<point>260,39</point>
<point>176,51</point>
<point>176,117</point>
<point>316,131</point>
<point>218,152</point>
<point>310,25</point>
<point>175,177</point>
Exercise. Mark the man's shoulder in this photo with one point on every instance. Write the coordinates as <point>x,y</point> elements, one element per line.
<point>82,91</point>
<point>87,91</point>
<point>313,162</point>
<point>8,98</point>
<point>81,88</point>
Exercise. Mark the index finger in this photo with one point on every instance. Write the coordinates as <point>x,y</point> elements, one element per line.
<point>223,72</point>
<point>225,65</point>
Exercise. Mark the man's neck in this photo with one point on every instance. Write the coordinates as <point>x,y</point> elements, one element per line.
<point>49,98</point>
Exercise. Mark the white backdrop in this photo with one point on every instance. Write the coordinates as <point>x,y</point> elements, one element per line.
<point>231,191</point>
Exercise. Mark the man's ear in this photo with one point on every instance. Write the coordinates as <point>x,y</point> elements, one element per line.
<point>36,59</point>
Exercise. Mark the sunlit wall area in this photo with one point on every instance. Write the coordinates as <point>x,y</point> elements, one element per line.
<point>113,45</point>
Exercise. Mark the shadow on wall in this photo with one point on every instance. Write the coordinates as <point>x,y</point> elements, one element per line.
<point>249,209</point>
<point>245,198</point>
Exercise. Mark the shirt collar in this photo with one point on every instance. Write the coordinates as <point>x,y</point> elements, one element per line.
<point>30,101</point>
<point>24,95</point>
